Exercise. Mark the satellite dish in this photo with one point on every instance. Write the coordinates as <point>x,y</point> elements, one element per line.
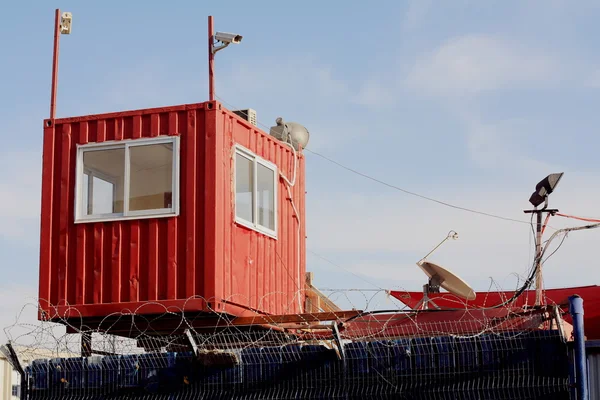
<point>439,276</point>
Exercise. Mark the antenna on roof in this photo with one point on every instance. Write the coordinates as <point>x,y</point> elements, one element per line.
<point>451,235</point>
<point>441,277</point>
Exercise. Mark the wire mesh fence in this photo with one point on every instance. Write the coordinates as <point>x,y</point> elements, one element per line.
<point>500,353</point>
<point>527,365</point>
<point>508,365</point>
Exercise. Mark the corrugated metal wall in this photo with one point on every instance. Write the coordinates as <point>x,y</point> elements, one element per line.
<point>260,271</point>
<point>594,374</point>
<point>103,267</point>
<point>121,261</point>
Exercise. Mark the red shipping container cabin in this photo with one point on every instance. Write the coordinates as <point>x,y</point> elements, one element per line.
<point>181,208</point>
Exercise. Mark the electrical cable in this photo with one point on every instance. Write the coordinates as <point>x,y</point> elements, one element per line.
<point>413,193</point>
<point>531,242</point>
<point>545,221</point>
<point>373,312</point>
<point>555,250</point>
<point>347,270</point>
<point>389,185</point>
<point>578,218</point>
<point>289,185</point>
<point>533,270</point>
<point>540,257</point>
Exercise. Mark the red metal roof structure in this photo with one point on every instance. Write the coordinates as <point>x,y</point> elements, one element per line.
<point>430,323</point>
<point>560,297</point>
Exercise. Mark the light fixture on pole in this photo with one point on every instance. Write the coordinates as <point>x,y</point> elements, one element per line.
<point>542,190</point>
<point>213,40</point>
<point>62,26</point>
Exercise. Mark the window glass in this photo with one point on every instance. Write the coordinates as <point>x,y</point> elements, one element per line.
<point>255,192</point>
<point>103,196</point>
<point>103,193</point>
<point>266,196</point>
<point>151,176</point>
<point>143,173</point>
<point>244,184</point>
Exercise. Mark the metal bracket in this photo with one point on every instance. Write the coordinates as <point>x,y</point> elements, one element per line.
<point>214,49</point>
<point>192,341</point>
<point>338,341</point>
<point>559,323</point>
<point>431,287</point>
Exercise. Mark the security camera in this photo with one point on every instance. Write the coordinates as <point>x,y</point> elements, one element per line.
<point>65,23</point>
<point>228,37</point>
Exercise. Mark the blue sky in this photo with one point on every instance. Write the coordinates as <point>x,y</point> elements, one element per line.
<point>469,102</point>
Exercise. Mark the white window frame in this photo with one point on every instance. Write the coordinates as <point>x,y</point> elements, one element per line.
<point>93,173</point>
<point>80,214</point>
<point>256,160</point>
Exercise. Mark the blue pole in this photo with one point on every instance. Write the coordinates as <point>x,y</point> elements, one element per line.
<point>576,310</point>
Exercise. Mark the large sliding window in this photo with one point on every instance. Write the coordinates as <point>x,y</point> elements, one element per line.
<point>255,192</point>
<point>127,179</point>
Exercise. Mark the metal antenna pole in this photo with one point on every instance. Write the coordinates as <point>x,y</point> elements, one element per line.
<point>538,259</point>
<point>211,60</point>
<point>538,249</point>
<point>55,64</point>
<point>451,235</point>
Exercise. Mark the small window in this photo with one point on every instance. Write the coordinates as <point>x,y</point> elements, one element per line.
<point>16,391</point>
<point>265,185</point>
<point>127,179</point>
<point>255,192</point>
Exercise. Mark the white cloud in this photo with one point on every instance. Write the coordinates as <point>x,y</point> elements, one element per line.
<point>498,144</point>
<point>402,223</point>
<point>476,63</point>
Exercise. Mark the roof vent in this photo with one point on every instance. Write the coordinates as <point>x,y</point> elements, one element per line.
<point>247,114</point>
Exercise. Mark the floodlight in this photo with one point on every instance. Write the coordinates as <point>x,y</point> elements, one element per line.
<point>544,188</point>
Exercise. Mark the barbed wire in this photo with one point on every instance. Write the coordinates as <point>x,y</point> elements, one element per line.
<point>349,354</point>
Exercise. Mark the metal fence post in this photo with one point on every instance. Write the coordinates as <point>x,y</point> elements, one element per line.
<point>576,310</point>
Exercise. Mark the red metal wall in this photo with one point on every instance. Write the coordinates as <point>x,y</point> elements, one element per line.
<point>105,267</point>
<point>259,271</point>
